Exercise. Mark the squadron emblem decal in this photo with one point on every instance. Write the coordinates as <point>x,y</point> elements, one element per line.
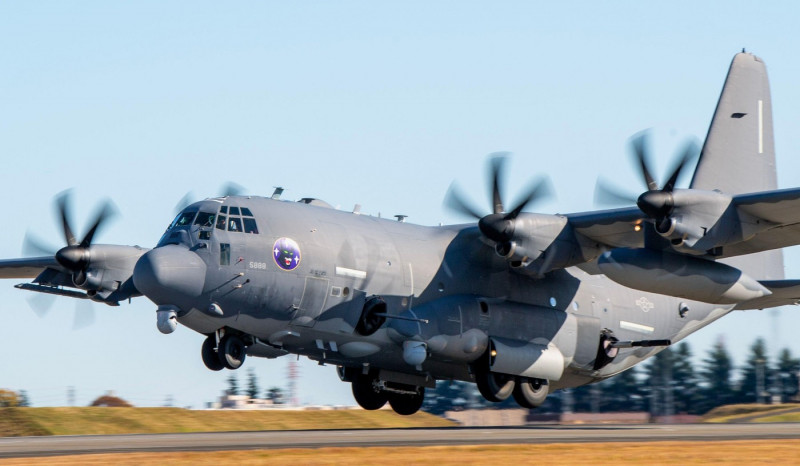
<point>286,253</point>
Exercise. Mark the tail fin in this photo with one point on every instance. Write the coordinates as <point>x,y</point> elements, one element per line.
<point>739,153</point>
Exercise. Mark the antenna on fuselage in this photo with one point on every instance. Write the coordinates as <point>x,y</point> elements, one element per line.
<point>277,193</point>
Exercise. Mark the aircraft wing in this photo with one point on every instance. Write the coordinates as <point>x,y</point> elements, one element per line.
<point>27,268</point>
<point>612,228</point>
<point>780,208</point>
<point>784,293</point>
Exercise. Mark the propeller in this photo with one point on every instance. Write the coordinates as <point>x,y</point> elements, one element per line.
<point>76,255</point>
<point>228,189</point>
<point>499,224</point>
<point>655,202</point>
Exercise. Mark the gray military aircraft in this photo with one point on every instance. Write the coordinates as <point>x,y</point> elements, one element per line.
<point>520,303</point>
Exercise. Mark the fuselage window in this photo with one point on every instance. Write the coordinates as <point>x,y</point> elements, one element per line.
<point>224,254</point>
<point>205,219</point>
<point>250,225</point>
<point>234,224</point>
<point>246,212</point>
<point>234,211</point>
<point>221,222</point>
<point>184,219</point>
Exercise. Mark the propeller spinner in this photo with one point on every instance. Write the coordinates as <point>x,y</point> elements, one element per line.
<point>657,203</point>
<point>499,225</point>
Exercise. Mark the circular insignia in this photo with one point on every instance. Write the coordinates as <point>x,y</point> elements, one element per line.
<point>286,253</point>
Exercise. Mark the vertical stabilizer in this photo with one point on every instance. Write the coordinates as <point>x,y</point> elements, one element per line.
<point>739,152</point>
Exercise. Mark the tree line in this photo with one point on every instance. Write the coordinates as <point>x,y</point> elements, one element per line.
<point>669,383</point>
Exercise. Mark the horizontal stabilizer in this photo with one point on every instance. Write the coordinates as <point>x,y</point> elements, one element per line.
<point>784,293</point>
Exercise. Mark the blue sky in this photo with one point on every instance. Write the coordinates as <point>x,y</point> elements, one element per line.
<point>376,103</point>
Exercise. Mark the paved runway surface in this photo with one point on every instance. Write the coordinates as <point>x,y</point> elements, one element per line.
<point>65,445</point>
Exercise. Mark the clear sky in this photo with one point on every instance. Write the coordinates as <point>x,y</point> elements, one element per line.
<point>378,103</point>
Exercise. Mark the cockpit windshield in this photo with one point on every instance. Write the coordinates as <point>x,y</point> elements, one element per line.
<point>183,219</point>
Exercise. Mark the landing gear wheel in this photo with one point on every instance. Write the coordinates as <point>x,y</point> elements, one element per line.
<point>493,386</point>
<point>531,393</point>
<point>366,395</point>
<point>231,351</point>
<point>407,405</point>
<point>209,353</point>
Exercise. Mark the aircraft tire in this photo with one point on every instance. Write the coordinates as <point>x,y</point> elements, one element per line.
<point>406,405</point>
<point>365,394</point>
<point>531,393</point>
<point>209,353</point>
<point>493,386</point>
<point>231,352</point>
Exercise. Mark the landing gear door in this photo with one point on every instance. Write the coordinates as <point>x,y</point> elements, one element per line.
<point>315,293</point>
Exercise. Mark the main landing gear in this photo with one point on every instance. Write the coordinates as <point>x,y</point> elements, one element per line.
<point>371,393</point>
<point>495,387</point>
<point>228,354</point>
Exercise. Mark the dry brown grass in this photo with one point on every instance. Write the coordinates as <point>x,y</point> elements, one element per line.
<point>653,453</point>
<point>729,413</point>
<point>85,421</point>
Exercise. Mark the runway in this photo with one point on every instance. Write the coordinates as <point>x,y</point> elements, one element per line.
<point>212,441</point>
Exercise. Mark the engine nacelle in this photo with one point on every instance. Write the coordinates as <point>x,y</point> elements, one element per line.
<point>679,275</point>
<point>700,221</point>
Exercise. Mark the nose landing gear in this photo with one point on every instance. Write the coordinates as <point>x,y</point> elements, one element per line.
<point>229,353</point>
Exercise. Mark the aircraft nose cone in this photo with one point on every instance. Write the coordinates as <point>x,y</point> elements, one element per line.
<point>169,274</point>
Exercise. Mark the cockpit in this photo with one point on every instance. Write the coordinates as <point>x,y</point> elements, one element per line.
<point>197,223</point>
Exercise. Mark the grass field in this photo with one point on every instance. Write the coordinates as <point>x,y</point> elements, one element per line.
<point>760,413</point>
<point>82,421</point>
<point>650,453</point>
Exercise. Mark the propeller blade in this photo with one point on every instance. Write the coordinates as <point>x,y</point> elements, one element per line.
<point>84,314</point>
<point>607,194</point>
<point>184,202</point>
<point>690,150</point>
<point>63,206</point>
<point>498,162</point>
<point>454,201</point>
<point>105,213</point>
<point>540,189</point>
<point>33,246</point>
<point>641,153</point>
<point>41,303</point>
<point>232,189</point>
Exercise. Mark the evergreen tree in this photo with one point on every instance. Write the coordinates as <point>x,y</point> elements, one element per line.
<point>787,371</point>
<point>715,376</point>
<point>659,383</point>
<point>252,384</point>
<point>685,389</point>
<point>622,393</point>
<point>233,384</point>
<point>23,401</point>
<point>755,374</point>
<point>275,394</point>
<point>447,396</point>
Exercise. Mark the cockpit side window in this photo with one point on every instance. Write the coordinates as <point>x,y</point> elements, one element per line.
<point>246,212</point>
<point>234,211</point>
<point>221,222</point>
<point>184,219</point>
<point>205,219</point>
<point>250,225</point>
